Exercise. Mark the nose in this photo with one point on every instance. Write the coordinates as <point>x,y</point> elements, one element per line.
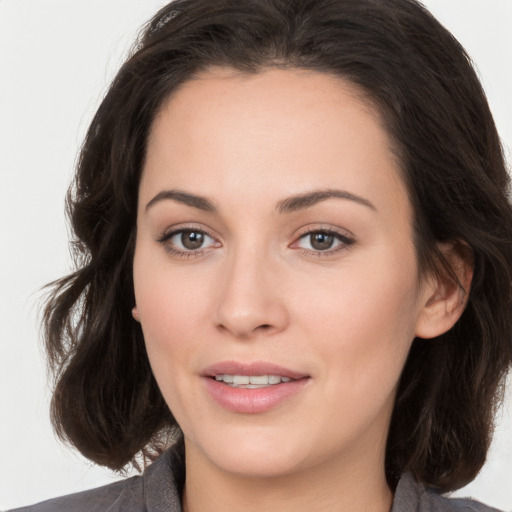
<point>250,298</point>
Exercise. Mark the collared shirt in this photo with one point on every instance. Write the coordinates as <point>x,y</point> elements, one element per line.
<point>158,490</point>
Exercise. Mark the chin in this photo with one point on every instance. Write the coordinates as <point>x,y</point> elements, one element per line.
<point>257,454</point>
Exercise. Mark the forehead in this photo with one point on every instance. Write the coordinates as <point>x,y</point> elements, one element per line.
<point>278,132</point>
<point>272,99</point>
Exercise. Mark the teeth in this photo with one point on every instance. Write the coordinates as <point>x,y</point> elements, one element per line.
<point>251,381</point>
<point>258,379</point>
<point>241,379</point>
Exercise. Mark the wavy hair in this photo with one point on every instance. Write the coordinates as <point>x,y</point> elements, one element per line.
<point>106,401</point>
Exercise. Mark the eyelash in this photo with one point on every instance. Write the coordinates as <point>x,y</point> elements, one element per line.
<point>166,237</point>
<point>344,240</point>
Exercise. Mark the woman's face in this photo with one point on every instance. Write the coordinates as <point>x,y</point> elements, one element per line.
<point>275,249</point>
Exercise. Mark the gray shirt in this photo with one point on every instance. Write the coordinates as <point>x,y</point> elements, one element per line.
<point>158,490</point>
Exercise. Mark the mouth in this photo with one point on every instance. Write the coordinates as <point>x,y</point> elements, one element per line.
<point>252,388</point>
<point>255,373</point>
<point>251,381</point>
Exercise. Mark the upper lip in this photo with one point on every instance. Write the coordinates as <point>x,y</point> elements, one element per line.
<point>251,369</point>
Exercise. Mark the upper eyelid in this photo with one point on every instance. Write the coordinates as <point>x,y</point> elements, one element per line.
<point>344,239</point>
<point>306,230</point>
<point>171,231</point>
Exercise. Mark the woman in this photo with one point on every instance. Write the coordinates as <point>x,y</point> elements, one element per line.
<point>294,235</point>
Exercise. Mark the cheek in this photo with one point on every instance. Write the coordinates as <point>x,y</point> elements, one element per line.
<point>363,320</point>
<point>169,311</point>
<point>167,295</point>
<point>171,305</point>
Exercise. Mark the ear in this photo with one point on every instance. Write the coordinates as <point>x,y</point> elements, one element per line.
<point>135,313</point>
<point>446,294</point>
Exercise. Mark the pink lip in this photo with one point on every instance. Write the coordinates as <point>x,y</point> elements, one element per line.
<point>253,368</point>
<point>252,401</point>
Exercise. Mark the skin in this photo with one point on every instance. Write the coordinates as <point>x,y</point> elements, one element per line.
<point>258,290</point>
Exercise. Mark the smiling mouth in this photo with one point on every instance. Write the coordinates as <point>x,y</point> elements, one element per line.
<point>251,381</point>
<point>252,388</point>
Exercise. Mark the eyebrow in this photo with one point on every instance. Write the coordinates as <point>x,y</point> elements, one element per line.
<point>288,205</point>
<point>302,201</point>
<point>193,200</point>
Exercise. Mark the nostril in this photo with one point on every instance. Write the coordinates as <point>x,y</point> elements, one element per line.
<point>264,327</point>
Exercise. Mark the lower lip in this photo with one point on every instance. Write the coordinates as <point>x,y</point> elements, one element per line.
<point>252,401</point>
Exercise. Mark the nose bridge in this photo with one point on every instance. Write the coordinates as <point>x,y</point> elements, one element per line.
<point>249,300</point>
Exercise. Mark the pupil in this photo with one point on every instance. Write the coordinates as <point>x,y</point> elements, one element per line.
<point>322,241</point>
<point>192,240</point>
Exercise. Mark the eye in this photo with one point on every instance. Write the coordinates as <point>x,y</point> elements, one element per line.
<point>323,241</point>
<point>187,241</point>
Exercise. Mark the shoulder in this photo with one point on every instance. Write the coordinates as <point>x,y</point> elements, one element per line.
<point>156,490</point>
<point>411,493</point>
<point>440,503</point>
<point>108,497</point>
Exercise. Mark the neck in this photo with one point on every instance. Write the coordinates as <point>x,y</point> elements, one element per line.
<point>349,485</point>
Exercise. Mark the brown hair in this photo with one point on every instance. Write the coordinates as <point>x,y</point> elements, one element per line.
<point>107,402</point>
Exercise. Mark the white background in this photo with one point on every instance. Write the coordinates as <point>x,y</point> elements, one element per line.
<point>56,59</point>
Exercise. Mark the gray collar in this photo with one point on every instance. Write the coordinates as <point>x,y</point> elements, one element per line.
<point>164,479</point>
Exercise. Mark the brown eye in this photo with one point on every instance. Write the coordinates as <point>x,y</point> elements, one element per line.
<point>192,240</point>
<point>321,241</point>
<point>187,242</point>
